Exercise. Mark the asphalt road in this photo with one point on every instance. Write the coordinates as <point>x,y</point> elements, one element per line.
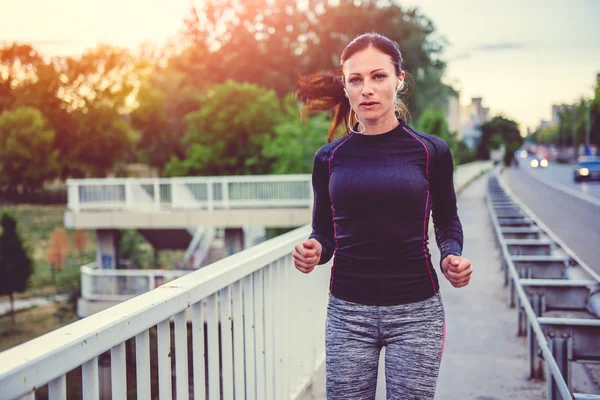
<point>562,175</point>
<point>575,221</point>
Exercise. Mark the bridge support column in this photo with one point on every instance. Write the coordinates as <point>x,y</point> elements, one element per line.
<point>234,240</point>
<point>107,245</point>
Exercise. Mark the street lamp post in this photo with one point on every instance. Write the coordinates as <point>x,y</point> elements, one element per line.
<point>574,128</point>
<point>588,123</point>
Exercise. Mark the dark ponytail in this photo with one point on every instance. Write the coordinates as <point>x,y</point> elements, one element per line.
<point>321,92</point>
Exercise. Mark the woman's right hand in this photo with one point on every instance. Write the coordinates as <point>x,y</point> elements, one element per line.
<point>306,255</point>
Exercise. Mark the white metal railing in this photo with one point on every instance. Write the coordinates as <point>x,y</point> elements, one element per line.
<point>230,192</point>
<point>262,322</point>
<point>156,194</point>
<point>122,284</point>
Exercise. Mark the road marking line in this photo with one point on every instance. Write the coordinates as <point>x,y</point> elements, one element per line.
<point>565,189</point>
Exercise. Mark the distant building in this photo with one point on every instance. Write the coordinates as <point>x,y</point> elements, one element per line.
<point>544,124</point>
<point>472,117</point>
<point>453,114</point>
<point>556,110</point>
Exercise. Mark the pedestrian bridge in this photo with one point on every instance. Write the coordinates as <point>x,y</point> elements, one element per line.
<point>170,203</point>
<point>246,327</point>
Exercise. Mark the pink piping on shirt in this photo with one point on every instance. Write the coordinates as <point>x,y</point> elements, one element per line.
<point>332,216</point>
<point>426,207</point>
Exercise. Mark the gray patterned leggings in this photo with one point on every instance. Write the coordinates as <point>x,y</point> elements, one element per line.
<point>414,337</point>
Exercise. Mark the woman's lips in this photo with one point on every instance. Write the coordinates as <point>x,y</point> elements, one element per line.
<point>368,105</point>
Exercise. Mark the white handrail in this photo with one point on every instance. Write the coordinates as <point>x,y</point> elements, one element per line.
<point>275,312</point>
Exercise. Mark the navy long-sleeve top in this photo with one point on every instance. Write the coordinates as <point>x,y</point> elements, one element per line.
<point>373,195</point>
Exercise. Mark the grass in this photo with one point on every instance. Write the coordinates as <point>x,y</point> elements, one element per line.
<point>34,322</point>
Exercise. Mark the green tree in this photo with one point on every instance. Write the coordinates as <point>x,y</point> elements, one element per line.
<point>19,64</point>
<point>164,99</point>
<point>227,135</point>
<point>102,139</point>
<point>595,116</point>
<point>98,90</point>
<point>508,133</point>
<point>27,158</point>
<point>15,262</point>
<point>548,135</point>
<point>270,43</point>
<point>433,122</point>
<point>295,142</point>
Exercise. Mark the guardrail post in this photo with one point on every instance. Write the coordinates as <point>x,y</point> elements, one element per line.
<point>512,293</point>
<point>521,318</point>
<point>559,347</point>
<point>536,367</point>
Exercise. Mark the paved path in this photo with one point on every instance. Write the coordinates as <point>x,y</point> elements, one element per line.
<point>28,303</point>
<point>483,358</point>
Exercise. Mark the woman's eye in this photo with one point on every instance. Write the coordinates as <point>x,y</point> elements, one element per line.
<point>379,77</point>
<point>354,80</point>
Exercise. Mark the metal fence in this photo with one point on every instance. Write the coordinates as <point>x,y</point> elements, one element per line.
<point>555,294</point>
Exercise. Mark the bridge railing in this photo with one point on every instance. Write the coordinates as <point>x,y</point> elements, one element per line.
<point>257,327</point>
<point>228,192</point>
<point>210,193</point>
<point>122,284</point>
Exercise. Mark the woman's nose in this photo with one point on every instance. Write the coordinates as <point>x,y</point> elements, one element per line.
<point>367,89</point>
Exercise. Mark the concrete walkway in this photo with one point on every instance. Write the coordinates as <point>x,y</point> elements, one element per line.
<point>483,357</point>
<point>33,302</point>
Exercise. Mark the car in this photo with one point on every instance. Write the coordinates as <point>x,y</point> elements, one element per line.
<point>538,162</point>
<point>587,168</point>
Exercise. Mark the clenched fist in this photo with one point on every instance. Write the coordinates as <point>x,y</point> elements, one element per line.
<point>306,255</point>
<point>457,270</point>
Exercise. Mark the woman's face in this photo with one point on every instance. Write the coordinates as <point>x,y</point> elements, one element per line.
<point>370,80</point>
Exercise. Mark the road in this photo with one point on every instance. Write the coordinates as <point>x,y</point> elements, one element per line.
<point>575,220</point>
<point>562,176</point>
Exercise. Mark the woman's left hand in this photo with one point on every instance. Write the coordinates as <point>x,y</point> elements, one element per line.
<point>457,270</point>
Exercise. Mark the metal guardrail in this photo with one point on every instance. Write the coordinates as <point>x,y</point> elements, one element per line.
<point>556,295</point>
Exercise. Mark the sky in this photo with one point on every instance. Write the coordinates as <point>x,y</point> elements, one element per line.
<point>521,56</point>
